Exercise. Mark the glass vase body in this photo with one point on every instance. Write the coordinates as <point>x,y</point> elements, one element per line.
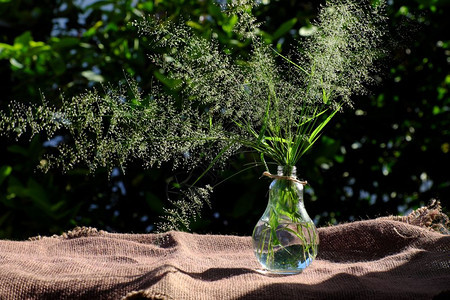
<point>285,239</point>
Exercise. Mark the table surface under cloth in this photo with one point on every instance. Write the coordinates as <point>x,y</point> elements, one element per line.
<point>373,259</point>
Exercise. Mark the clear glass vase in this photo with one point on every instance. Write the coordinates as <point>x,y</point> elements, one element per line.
<point>285,239</point>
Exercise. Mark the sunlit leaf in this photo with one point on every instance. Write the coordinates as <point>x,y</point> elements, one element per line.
<point>5,171</point>
<point>92,76</point>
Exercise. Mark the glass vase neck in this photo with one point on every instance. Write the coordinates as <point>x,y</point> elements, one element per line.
<point>287,171</point>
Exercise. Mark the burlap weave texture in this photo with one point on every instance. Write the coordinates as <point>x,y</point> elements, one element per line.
<point>374,259</point>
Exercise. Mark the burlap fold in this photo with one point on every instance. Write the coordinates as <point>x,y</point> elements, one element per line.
<point>374,259</point>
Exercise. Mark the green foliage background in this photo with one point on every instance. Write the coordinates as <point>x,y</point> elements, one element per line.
<point>388,156</point>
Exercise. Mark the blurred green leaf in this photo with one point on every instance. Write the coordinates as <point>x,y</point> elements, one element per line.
<point>5,50</point>
<point>5,171</point>
<point>91,31</point>
<point>66,42</point>
<point>147,6</point>
<point>18,149</point>
<point>228,27</point>
<point>111,27</point>
<point>165,80</point>
<point>23,40</point>
<point>4,217</point>
<point>36,191</point>
<point>154,202</point>
<point>284,28</point>
<point>194,25</point>
<point>57,64</point>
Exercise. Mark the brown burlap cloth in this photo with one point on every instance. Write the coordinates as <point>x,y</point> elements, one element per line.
<point>373,259</point>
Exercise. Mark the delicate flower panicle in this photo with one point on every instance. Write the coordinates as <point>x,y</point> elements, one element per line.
<point>225,103</point>
<point>246,26</point>
<point>185,210</point>
<point>343,51</point>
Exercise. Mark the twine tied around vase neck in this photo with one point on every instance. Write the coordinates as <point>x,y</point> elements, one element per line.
<point>283,177</point>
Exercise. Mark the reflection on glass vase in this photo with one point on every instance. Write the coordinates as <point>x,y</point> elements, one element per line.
<point>285,239</point>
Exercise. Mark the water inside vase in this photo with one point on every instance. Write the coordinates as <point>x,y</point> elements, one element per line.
<point>287,253</point>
